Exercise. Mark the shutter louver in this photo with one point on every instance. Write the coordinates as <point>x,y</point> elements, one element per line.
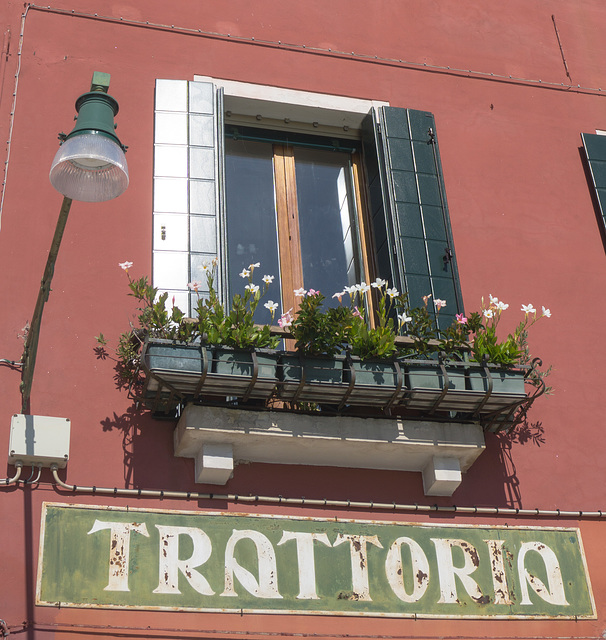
<point>595,150</point>
<point>410,218</point>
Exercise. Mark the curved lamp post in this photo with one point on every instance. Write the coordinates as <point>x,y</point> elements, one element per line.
<point>89,166</point>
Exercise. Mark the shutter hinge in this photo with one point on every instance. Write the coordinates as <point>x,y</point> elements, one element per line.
<point>432,135</point>
<point>379,128</point>
<point>448,256</point>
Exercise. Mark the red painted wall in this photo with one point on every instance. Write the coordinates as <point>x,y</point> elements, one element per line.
<point>509,121</point>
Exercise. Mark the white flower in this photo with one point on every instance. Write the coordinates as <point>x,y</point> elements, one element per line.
<point>271,306</point>
<point>488,313</point>
<point>403,318</point>
<point>501,306</point>
<point>378,283</point>
<point>362,287</point>
<point>392,293</point>
<point>546,312</point>
<point>528,308</point>
<point>253,288</point>
<point>254,265</point>
<point>339,295</point>
<point>493,300</point>
<point>195,285</point>
<point>439,303</point>
<point>125,265</point>
<point>300,292</point>
<point>245,273</point>
<point>205,266</point>
<point>351,290</point>
<point>268,279</point>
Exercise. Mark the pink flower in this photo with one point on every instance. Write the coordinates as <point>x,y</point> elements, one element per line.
<point>357,313</point>
<point>285,319</point>
<point>313,292</point>
<point>439,303</point>
<point>461,319</point>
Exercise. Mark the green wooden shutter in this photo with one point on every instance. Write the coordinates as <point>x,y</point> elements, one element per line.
<point>595,150</point>
<point>188,148</point>
<point>411,225</point>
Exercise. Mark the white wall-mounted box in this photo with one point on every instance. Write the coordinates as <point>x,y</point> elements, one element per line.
<point>39,440</point>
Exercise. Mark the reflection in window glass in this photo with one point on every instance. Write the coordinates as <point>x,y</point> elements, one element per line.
<point>325,219</point>
<point>251,217</point>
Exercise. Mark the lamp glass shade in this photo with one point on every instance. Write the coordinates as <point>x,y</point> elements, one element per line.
<point>89,167</point>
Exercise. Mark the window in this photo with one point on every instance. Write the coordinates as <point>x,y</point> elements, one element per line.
<point>290,203</point>
<point>595,151</point>
<point>269,189</point>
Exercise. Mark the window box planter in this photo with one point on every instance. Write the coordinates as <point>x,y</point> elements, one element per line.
<point>340,380</point>
<point>435,385</point>
<point>468,387</point>
<point>311,379</point>
<point>176,372</point>
<point>374,383</point>
<point>502,388</point>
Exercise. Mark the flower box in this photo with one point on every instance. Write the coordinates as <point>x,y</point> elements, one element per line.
<point>435,385</point>
<point>311,379</point>
<point>177,373</point>
<point>374,383</point>
<point>180,371</point>
<point>501,388</point>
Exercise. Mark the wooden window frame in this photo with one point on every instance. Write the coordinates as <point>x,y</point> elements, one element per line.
<point>287,221</point>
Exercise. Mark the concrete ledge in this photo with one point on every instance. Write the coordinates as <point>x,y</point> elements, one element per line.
<point>336,441</point>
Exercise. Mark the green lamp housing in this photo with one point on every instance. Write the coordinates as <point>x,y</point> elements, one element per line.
<point>90,164</point>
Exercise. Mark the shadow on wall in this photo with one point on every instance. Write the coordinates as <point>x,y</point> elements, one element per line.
<point>492,480</point>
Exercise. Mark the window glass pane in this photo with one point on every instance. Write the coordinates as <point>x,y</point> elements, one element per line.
<point>251,218</point>
<point>328,236</point>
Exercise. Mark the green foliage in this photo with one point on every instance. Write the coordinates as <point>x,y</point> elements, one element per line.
<point>234,327</point>
<point>486,343</point>
<point>319,332</point>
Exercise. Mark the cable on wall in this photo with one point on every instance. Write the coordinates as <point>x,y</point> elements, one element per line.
<point>13,108</point>
<point>336,53</point>
<point>324,502</point>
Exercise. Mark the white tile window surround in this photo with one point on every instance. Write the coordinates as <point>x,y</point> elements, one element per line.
<point>187,161</point>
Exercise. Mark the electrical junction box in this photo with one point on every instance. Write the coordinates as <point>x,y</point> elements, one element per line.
<point>39,441</point>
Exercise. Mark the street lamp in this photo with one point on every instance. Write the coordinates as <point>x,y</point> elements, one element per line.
<point>89,166</point>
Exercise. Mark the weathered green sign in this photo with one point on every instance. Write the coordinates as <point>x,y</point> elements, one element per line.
<point>206,561</point>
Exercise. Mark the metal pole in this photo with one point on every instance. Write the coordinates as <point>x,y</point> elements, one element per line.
<point>31,342</point>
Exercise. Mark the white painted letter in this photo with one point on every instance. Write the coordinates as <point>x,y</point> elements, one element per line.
<point>497,565</point>
<point>170,565</point>
<point>447,571</point>
<point>119,550</point>
<point>555,593</point>
<point>306,560</point>
<point>395,572</point>
<point>267,586</point>
<point>359,563</point>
